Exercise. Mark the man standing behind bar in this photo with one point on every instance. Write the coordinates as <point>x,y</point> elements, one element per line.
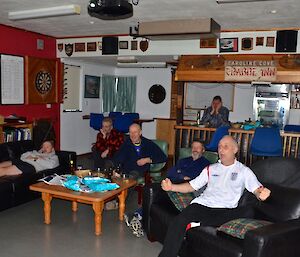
<point>137,153</point>
<point>216,115</point>
<point>218,203</point>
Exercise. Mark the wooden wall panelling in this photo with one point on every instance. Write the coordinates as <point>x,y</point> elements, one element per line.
<point>174,94</point>
<point>180,99</point>
<point>210,68</point>
<point>165,131</point>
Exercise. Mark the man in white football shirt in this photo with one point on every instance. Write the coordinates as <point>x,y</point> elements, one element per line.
<point>226,181</point>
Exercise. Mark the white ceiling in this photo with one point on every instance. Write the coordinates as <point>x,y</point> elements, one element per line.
<point>234,16</point>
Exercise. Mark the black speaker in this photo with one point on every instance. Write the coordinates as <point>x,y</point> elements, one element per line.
<point>110,45</point>
<point>286,41</point>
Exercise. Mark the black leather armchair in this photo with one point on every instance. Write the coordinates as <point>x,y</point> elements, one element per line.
<point>280,239</point>
<point>14,190</point>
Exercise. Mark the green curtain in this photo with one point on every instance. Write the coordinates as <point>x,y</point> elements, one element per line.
<point>126,94</point>
<point>109,93</point>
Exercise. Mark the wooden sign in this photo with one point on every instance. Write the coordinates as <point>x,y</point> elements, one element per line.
<point>41,80</point>
<point>254,70</point>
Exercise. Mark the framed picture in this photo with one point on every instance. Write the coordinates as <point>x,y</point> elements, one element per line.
<point>123,45</point>
<point>228,45</point>
<point>91,46</point>
<point>260,41</point>
<point>91,86</point>
<point>270,42</point>
<point>134,45</point>
<point>208,43</point>
<point>247,43</point>
<point>79,47</point>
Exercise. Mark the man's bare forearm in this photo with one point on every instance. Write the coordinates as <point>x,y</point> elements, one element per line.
<point>182,188</point>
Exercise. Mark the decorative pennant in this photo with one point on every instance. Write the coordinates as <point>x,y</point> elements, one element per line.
<point>60,47</point>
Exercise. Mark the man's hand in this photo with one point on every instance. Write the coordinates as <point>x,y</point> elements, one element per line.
<point>143,161</point>
<point>166,184</point>
<point>213,110</point>
<point>262,193</point>
<point>31,157</point>
<point>218,108</point>
<point>115,174</point>
<point>103,133</point>
<point>105,153</point>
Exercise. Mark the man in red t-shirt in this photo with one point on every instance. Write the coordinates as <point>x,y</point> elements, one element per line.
<point>108,143</point>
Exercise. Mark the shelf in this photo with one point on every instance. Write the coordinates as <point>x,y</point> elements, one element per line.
<point>10,132</point>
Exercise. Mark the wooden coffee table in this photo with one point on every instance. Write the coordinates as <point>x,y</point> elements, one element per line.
<point>97,200</point>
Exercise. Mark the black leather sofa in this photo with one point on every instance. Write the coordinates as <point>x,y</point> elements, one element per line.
<point>14,190</point>
<point>280,239</point>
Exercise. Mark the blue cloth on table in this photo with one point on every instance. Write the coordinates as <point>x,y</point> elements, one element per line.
<point>89,184</point>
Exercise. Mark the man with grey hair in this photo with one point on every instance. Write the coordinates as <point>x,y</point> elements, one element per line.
<point>218,203</point>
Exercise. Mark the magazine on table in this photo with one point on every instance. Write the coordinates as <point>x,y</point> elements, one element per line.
<point>54,179</point>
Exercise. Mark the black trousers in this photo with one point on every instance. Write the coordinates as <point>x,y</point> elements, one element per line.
<point>198,213</point>
<point>99,162</point>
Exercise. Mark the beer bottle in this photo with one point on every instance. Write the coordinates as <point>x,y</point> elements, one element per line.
<point>198,118</point>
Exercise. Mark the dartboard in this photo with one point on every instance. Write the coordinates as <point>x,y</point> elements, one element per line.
<point>43,82</point>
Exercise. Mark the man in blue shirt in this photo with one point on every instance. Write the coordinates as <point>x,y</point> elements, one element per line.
<point>137,153</point>
<point>216,115</point>
<point>190,167</point>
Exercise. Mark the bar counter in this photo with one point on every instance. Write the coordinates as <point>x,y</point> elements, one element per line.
<point>186,133</point>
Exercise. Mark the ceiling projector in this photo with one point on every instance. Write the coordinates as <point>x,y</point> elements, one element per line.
<point>110,9</point>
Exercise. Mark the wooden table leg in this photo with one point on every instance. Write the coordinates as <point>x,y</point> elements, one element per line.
<point>122,198</point>
<point>47,207</point>
<point>98,209</point>
<point>74,206</point>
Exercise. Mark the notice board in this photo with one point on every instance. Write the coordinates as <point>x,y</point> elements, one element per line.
<point>12,79</point>
<point>71,90</point>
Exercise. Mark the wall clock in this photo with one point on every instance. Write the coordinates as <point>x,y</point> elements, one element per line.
<point>157,94</point>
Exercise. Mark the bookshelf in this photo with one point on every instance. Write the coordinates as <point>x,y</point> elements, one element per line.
<point>10,132</point>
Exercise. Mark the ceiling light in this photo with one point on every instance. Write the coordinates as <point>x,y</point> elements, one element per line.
<point>273,12</point>
<point>126,59</point>
<point>45,12</point>
<point>240,1</point>
<point>177,29</point>
<point>143,65</point>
